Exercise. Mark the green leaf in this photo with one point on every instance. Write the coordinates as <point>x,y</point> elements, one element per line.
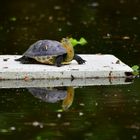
<point>135,70</point>
<point>135,67</point>
<point>59,110</point>
<point>82,41</point>
<point>74,42</point>
<point>13,19</point>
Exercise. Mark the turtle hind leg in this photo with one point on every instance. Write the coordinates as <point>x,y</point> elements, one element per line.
<point>79,59</point>
<point>26,60</point>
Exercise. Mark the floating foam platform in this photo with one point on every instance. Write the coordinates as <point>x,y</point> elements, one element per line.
<point>63,82</point>
<point>96,66</point>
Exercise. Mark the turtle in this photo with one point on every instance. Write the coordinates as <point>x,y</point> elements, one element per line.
<point>50,52</point>
<point>54,94</point>
<point>49,94</point>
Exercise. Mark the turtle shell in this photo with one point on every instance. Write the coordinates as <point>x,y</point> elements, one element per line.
<point>45,51</point>
<point>51,95</point>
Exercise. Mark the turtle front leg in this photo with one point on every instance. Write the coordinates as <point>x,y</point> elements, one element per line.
<point>59,60</point>
<point>79,59</point>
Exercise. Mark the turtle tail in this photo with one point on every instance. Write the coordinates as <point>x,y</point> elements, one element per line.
<point>23,60</point>
<point>27,60</point>
<point>19,59</point>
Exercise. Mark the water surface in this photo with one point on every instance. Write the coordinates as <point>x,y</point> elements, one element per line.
<point>96,112</point>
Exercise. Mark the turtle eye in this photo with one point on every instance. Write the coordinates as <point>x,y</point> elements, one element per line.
<point>64,40</point>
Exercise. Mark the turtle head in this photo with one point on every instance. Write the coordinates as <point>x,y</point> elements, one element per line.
<point>67,102</point>
<point>66,42</point>
<point>69,49</point>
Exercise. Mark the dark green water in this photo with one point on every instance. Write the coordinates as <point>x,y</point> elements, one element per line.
<point>97,112</point>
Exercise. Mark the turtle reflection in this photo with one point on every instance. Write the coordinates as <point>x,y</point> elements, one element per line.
<point>55,94</point>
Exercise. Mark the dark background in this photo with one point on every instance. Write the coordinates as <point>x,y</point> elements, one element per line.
<point>110,26</point>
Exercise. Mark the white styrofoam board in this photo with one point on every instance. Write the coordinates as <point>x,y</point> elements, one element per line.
<point>63,82</point>
<point>96,66</point>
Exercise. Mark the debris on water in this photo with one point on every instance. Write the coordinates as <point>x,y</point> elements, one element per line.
<point>135,18</point>
<point>12,128</point>
<point>7,30</point>
<point>94,4</point>
<point>85,22</point>
<point>41,125</point>
<point>13,19</point>
<point>128,90</point>
<point>82,104</point>
<point>125,37</point>
<point>118,12</point>
<point>59,29</point>
<point>26,18</point>
<point>12,28</point>
<point>81,113</point>
<point>69,23</point>
<point>35,123</point>
<point>96,104</point>
<point>50,18</point>
<point>115,95</point>
<point>59,115</point>
<point>61,18</point>
<point>1,27</point>
<point>4,130</point>
<point>122,1</point>
<point>57,7</point>
<point>42,16</point>
<point>88,134</point>
<point>134,137</point>
<point>107,36</point>
<point>51,124</point>
<point>134,126</point>
<point>66,123</point>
